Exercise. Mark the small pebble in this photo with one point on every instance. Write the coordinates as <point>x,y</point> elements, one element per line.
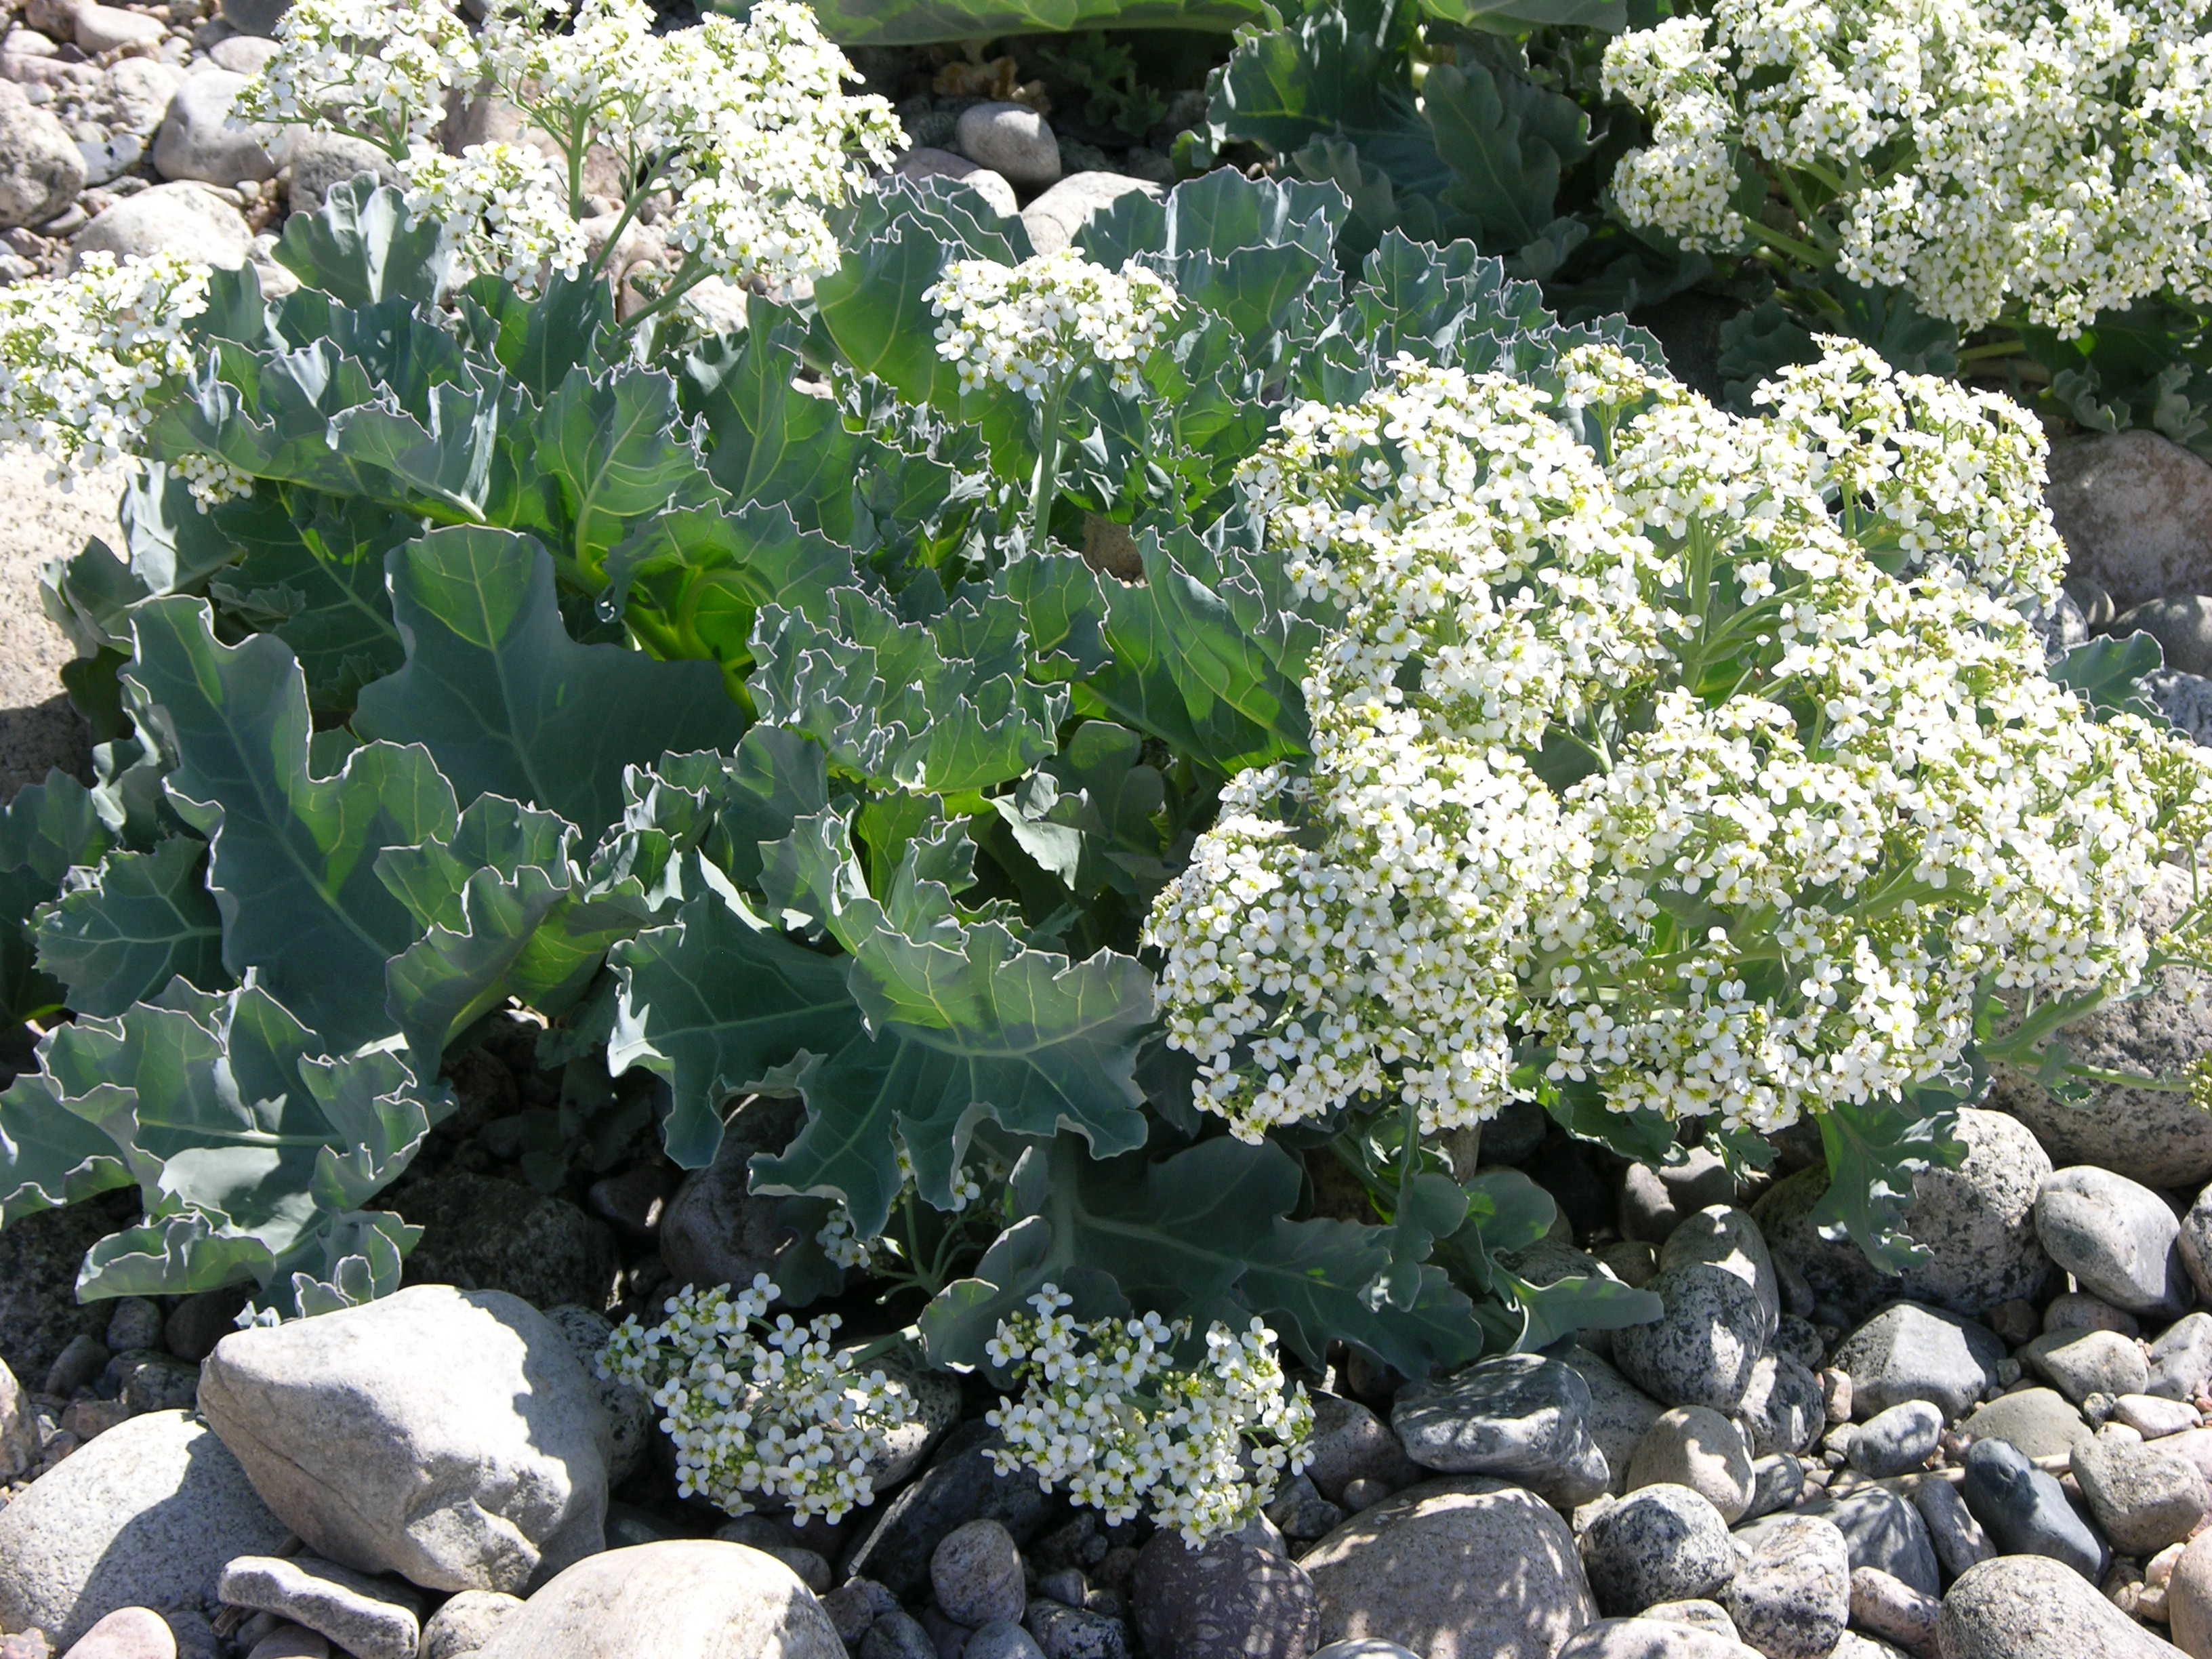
<point>976,1573</point>
<point>127,1633</point>
<point>1001,1641</point>
<point>1897,1441</point>
<point>896,1635</point>
<point>1887,1606</point>
<point>2153,1416</point>
<point>1066,1586</point>
<point>1363,1493</point>
<point>1836,1395</point>
<point>291,1642</point>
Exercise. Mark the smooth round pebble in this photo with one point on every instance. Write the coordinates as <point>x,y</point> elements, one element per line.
<point>1012,140</point>
<point>127,1633</point>
<point>1897,1441</point>
<point>1002,1640</point>
<point>1696,1447</point>
<point>976,1572</point>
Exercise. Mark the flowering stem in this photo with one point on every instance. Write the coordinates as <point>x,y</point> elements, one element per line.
<point>637,197</point>
<point>2011,346</point>
<point>1044,483</point>
<point>1780,242</point>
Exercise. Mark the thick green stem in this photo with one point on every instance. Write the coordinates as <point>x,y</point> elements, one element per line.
<point>1044,483</point>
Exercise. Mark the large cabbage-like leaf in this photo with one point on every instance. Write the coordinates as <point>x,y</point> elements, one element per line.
<point>507,702</point>
<point>942,705</point>
<point>1203,1233</point>
<point>292,856</point>
<point>509,913</point>
<point>131,926</point>
<point>255,1151</point>
<point>47,829</point>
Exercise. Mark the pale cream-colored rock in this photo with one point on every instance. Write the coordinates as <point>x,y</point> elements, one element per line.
<point>693,1597</point>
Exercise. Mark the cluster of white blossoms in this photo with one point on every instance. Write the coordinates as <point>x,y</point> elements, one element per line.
<point>1106,1409</point>
<point>761,1408</point>
<point>734,138</point>
<point>1996,159</point>
<point>1029,326</point>
<point>83,357</point>
<point>1707,760</point>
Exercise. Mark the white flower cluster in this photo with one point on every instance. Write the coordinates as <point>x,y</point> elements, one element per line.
<point>1106,1409</point>
<point>1028,325</point>
<point>755,1408</point>
<point>82,357</point>
<point>379,69</point>
<point>1709,755</point>
<point>737,137</point>
<point>2013,159</point>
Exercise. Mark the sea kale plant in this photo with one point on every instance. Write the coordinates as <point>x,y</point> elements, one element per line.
<point>2029,175</point>
<point>738,693</point>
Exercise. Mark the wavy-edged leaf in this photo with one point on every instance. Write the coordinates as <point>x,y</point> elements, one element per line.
<point>714,1004</point>
<point>1509,139</point>
<point>45,830</point>
<point>509,913</point>
<point>49,1155</point>
<point>945,705</point>
<point>292,856</point>
<point>612,448</point>
<point>2108,674</point>
<point>128,928</point>
<point>874,305</point>
<point>249,1146</point>
<point>311,571</point>
<point>694,580</point>
<point>363,246</point>
<point>1874,1152</point>
<point>539,339</point>
<point>507,702</point>
<point>1202,1233</point>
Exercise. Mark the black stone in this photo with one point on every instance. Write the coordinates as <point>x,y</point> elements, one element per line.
<point>960,1485</point>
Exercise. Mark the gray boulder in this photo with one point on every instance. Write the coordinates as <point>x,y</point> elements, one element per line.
<point>2041,1422</point>
<point>466,1623</point>
<point>1881,1529</point>
<point>1660,1543</point>
<point>1230,1600</point>
<point>695,1597</point>
<point>1897,1441</point>
<point>321,161</point>
<point>41,170</point>
<point>2023,1606</point>
<point>1520,1415</point>
<point>2023,1510</point>
<point>1012,140</point>
<point>449,1437</point>
<point>2182,625</point>
<point>481,1234</point>
<point>2135,512</point>
<point>1783,1408</point>
<point>1977,1221</point>
<point>1908,1352</point>
<point>2181,1358</point>
<point>714,1230</point>
<point>2116,1237</point>
<point>185,219</point>
<point>1695,1446</point>
<point>1402,1571</point>
<point>1700,1351</point>
<point>199,140</point>
<point>2081,1363</point>
<point>1845,1286</point>
<point>2144,1497</point>
<point>40,1254</point>
<point>1791,1595</point>
<point>2149,1135</point>
<point>1649,1638</point>
<point>145,1515</point>
<point>1349,1443</point>
<point>1054,217</point>
<point>1621,1412</point>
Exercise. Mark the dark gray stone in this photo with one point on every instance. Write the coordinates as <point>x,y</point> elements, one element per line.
<point>2023,1510</point>
<point>39,1256</point>
<point>1883,1530</point>
<point>1700,1351</point>
<point>1001,1641</point>
<point>1065,1633</point>
<point>976,1573</point>
<point>715,1232</point>
<point>1783,1407</point>
<point>896,1635</point>
<point>321,161</point>
<point>1350,1443</point>
<point>1791,1595</point>
<point>1621,1413</point>
<point>2116,1237</point>
<point>960,1485</point>
<point>481,1234</point>
<point>1777,1483</point>
<point>1660,1543</point>
<point>1896,1441</point>
<point>1977,1221</point>
<point>1228,1600</point>
<point>2180,622</point>
<point>1909,1352</point>
<point>1958,1538</point>
<point>1845,1286</point>
<point>1519,1415</point>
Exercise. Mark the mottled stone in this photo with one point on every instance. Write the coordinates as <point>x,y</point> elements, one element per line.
<point>1227,1600</point>
<point>1700,1351</point>
<point>976,1573</point>
<point>1519,1415</point>
<point>1909,1352</point>
<point>2082,1363</point>
<point>1896,1441</point>
<point>2022,1607</point>
<point>1350,1443</point>
<point>1977,1221</point>
<point>1783,1408</point>
<point>1790,1597</point>
<point>2143,1497</point>
<point>960,1485</point>
<point>1400,1571</point>
<point>1696,1447</point>
<point>1660,1543</point>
